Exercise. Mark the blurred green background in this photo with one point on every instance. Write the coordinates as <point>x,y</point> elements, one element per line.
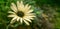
<point>50,8</point>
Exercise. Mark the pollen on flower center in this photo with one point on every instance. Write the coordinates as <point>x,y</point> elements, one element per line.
<point>20,13</point>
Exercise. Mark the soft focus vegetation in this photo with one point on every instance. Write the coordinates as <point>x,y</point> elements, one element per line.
<point>47,14</point>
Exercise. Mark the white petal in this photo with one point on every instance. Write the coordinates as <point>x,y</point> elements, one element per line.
<point>27,19</point>
<point>30,11</point>
<point>31,18</point>
<point>18,19</point>
<point>30,14</point>
<point>11,12</point>
<point>21,20</point>
<point>13,7</point>
<point>22,4</point>
<point>11,15</point>
<point>26,22</point>
<point>18,4</point>
<point>13,20</point>
<point>21,7</point>
<point>27,7</point>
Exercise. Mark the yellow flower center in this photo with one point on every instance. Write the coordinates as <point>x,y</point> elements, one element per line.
<point>20,13</point>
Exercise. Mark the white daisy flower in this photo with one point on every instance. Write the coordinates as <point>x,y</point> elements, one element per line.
<point>21,13</point>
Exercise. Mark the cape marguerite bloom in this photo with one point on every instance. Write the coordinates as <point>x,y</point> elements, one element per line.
<point>21,13</point>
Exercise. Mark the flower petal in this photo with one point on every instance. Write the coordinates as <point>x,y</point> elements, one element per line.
<point>30,11</point>
<point>11,15</point>
<point>11,12</point>
<point>32,16</point>
<point>18,19</point>
<point>13,7</point>
<point>21,20</point>
<point>26,22</point>
<point>27,8</point>
<point>13,20</point>
<point>27,19</point>
<point>29,14</point>
<point>20,6</point>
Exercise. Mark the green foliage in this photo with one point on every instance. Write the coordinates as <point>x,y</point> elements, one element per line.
<point>36,5</point>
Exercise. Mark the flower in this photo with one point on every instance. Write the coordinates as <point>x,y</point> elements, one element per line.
<point>21,12</point>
